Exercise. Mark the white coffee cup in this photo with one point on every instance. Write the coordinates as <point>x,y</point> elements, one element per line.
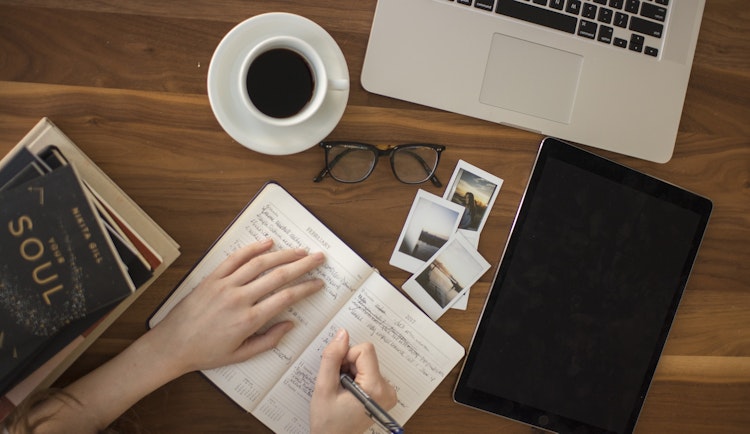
<point>304,106</point>
<point>246,45</point>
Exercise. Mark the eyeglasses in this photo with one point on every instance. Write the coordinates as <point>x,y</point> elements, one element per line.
<point>351,162</point>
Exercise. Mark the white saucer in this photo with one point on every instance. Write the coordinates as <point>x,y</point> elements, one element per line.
<point>228,106</point>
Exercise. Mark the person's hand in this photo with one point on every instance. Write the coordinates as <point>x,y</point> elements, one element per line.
<point>216,324</point>
<point>334,409</point>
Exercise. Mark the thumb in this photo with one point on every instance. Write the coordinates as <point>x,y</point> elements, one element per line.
<point>330,363</point>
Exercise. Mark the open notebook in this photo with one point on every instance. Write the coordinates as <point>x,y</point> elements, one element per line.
<point>415,354</point>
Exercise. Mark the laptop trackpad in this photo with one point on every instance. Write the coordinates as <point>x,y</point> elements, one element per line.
<point>530,78</point>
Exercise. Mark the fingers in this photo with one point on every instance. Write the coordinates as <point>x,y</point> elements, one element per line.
<point>283,267</point>
<point>246,267</point>
<point>251,261</point>
<point>362,359</point>
<point>259,343</point>
<point>249,264</point>
<point>217,323</point>
<point>251,273</point>
<point>271,306</point>
<point>260,264</point>
<point>364,365</point>
<point>241,257</point>
<point>334,353</point>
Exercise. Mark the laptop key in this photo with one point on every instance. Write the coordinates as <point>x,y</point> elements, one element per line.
<point>557,4</point>
<point>587,29</point>
<point>537,15</point>
<point>486,5</point>
<point>589,11</point>
<point>573,7</point>
<point>636,42</point>
<point>605,34</point>
<point>651,28</point>
<point>621,20</point>
<point>654,12</point>
<point>632,6</point>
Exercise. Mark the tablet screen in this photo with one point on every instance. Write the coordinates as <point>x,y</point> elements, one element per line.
<point>584,296</point>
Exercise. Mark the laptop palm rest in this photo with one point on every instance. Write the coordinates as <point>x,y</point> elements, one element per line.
<point>529,78</point>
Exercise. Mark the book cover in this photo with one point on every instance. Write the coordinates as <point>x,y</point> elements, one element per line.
<point>40,350</point>
<point>16,162</point>
<point>139,270</point>
<point>58,263</point>
<point>149,239</point>
<point>35,351</point>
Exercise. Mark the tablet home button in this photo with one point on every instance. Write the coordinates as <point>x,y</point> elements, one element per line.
<point>543,420</point>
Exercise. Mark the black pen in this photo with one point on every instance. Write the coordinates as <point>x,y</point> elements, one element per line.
<point>375,411</point>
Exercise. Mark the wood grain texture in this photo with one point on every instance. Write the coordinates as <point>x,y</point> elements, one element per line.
<point>127,82</point>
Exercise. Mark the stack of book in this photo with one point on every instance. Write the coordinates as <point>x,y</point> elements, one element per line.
<point>75,252</point>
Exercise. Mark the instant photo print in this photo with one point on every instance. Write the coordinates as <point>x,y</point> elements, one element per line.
<point>475,190</point>
<point>431,222</point>
<point>443,279</point>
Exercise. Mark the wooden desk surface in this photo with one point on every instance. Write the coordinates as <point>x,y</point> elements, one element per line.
<point>127,82</point>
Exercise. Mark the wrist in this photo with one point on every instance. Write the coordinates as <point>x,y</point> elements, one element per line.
<point>154,348</point>
<point>108,391</point>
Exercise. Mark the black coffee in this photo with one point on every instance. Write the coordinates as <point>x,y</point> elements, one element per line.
<point>280,83</point>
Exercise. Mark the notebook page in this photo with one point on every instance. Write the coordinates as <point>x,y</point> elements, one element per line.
<point>414,353</point>
<point>276,214</point>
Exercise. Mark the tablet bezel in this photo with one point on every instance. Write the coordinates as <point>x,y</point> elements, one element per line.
<point>549,149</point>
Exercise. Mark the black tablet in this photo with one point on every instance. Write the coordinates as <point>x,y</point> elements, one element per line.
<point>584,296</point>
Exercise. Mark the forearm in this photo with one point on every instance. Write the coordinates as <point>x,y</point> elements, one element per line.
<point>216,325</point>
<point>107,392</point>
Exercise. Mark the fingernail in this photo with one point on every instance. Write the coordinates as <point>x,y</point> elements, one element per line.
<point>300,251</point>
<point>340,335</point>
<point>318,256</point>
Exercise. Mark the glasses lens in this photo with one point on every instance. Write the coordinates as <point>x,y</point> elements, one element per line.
<point>414,164</point>
<point>350,163</point>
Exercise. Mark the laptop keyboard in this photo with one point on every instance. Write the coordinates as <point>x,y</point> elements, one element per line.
<point>632,25</point>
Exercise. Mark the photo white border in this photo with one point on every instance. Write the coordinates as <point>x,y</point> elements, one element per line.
<point>406,261</point>
<point>421,296</point>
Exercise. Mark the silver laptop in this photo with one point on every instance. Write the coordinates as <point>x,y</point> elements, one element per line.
<point>605,73</point>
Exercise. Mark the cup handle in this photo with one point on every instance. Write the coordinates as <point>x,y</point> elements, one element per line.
<point>338,84</point>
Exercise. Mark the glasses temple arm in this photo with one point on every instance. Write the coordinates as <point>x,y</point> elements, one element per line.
<point>323,173</point>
